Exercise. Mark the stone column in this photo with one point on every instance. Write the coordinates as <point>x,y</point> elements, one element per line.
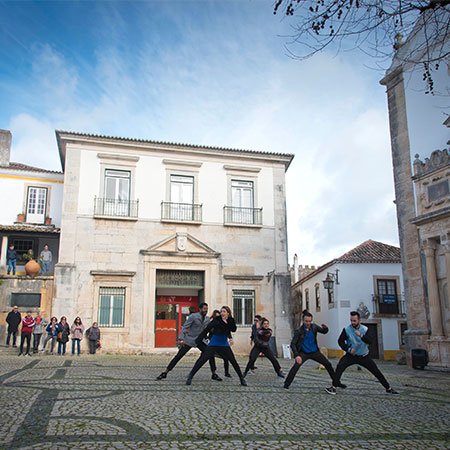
<point>447,267</point>
<point>433,290</point>
<point>4,250</point>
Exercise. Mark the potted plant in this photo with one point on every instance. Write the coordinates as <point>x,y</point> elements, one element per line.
<point>48,221</point>
<point>21,217</point>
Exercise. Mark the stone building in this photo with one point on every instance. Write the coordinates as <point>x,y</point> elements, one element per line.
<point>150,229</point>
<point>368,279</point>
<point>419,125</point>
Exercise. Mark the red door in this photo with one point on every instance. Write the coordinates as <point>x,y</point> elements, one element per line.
<point>171,313</point>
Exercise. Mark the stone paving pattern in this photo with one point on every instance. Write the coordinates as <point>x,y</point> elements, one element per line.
<point>114,402</point>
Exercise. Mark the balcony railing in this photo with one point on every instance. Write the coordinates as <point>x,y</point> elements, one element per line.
<point>388,304</point>
<point>243,216</point>
<point>183,212</point>
<point>115,208</point>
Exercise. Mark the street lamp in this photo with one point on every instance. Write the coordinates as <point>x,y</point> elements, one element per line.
<point>328,283</point>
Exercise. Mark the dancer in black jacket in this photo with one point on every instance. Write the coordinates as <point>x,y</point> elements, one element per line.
<point>220,329</point>
<point>304,346</point>
<point>261,340</point>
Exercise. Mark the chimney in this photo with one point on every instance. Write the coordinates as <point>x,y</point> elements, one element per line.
<point>5,147</point>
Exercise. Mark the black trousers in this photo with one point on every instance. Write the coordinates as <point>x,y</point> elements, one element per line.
<point>226,364</point>
<point>224,352</point>
<point>25,337</point>
<point>365,361</point>
<point>184,349</point>
<point>92,346</point>
<point>315,356</point>
<point>254,353</point>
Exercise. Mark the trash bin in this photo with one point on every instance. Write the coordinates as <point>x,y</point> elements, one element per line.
<point>419,358</point>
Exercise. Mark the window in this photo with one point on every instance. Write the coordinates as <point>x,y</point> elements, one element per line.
<point>242,210</point>
<point>36,204</point>
<point>387,296</point>
<point>181,205</point>
<point>307,299</point>
<point>21,246</point>
<point>244,307</point>
<point>111,308</point>
<point>317,295</point>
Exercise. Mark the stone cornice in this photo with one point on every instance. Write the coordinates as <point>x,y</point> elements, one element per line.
<point>244,277</point>
<point>112,273</point>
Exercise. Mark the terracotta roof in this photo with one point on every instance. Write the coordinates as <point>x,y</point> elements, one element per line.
<point>26,168</point>
<point>371,252</point>
<point>367,252</point>
<point>30,228</point>
<point>146,141</point>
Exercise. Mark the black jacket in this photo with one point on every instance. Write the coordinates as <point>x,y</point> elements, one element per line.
<point>11,254</point>
<point>299,337</point>
<point>219,327</point>
<point>13,320</point>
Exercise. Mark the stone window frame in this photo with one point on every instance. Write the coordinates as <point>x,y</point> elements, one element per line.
<point>182,168</point>
<point>307,299</point>
<point>111,161</point>
<point>396,278</point>
<point>242,173</point>
<point>399,325</point>
<point>107,279</point>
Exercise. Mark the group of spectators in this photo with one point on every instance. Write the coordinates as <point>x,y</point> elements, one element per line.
<point>56,332</point>
<point>45,258</point>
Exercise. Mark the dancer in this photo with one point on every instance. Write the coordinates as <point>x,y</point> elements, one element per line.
<point>220,329</point>
<point>261,340</point>
<point>255,327</point>
<point>190,331</point>
<point>226,363</point>
<point>304,346</point>
<point>76,330</point>
<point>354,340</point>
<point>63,335</point>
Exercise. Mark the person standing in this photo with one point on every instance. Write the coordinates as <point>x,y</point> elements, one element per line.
<point>220,329</point>
<point>11,257</point>
<point>226,363</point>
<point>52,334</point>
<point>13,320</point>
<point>63,335</point>
<point>38,330</point>
<point>25,334</point>
<point>93,334</point>
<point>190,331</point>
<point>304,346</point>
<point>77,330</point>
<point>355,340</point>
<point>261,340</point>
<point>255,327</point>
<point>45,258</point>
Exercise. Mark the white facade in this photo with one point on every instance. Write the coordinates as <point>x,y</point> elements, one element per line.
<point>35,193</point>
<point>228,233</point>
<point>358,287</point>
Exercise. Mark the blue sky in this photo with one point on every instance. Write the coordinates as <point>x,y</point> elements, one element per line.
<point>206,72</point>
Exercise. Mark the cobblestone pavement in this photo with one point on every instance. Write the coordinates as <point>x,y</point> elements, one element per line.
<point>114,402</point>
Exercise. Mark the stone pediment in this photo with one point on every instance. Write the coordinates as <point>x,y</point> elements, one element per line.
<point>181,244</point>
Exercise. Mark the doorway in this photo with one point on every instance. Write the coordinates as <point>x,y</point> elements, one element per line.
<point>373,333</point>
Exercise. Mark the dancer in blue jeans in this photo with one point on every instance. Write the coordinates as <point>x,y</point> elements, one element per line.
<point>11,257</point>
<point>76,330</point>
<point>63,335</point>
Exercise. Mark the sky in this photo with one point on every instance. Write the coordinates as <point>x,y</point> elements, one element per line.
<point>207,72</point>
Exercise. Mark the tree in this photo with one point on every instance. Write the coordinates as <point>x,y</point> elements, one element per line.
<point>375,27</point>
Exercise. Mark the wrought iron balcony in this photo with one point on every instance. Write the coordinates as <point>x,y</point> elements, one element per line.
<point>183,212</point>
<point>112,207</point>
<point>242,216</point>
<point>388,305</point>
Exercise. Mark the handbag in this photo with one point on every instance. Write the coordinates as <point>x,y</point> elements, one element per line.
<point>59,336</point>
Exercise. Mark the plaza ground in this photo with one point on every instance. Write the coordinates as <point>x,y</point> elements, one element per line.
<point>114,402</point>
